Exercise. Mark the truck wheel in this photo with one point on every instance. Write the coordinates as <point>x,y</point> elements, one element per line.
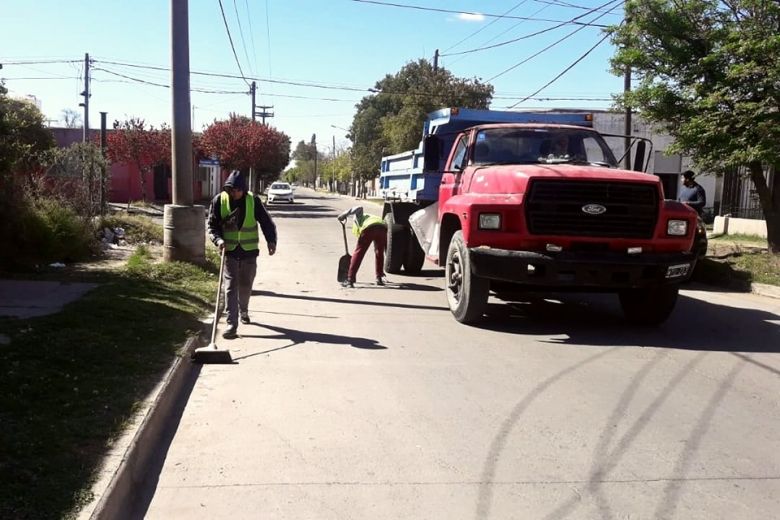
<point>650,306</point>
<point>415,256</point>
<point>397,239</point>
<point>467,294</point>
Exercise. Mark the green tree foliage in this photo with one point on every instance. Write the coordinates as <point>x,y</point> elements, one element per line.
<point>23,136</point>
<point>709,73</point>
<point>391,120</point>
<point>304,155</point>
<point>78,176</point>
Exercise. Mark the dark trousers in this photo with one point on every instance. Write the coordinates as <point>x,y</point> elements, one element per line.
<point>239,277</point>
<point>377,235</point>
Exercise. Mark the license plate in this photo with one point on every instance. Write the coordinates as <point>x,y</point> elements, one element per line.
<point>676,271</point>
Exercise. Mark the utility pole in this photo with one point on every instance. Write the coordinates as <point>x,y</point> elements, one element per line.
<point>86,94</point>
<point>103,146</point>
<point>265,112</point>
<point>627,119</point>
<point>183,223</point>
<point>253,92</point>
<point>436,60</point>
<point>314,145</point>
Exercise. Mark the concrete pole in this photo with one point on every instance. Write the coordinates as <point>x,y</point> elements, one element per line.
<point>627,121</point>
<point>86,95</point>
<point>103,173</point>
<point>252,186</point>
<point>183,223</point>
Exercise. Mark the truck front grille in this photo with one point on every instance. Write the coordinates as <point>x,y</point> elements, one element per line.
<point>555,207</point>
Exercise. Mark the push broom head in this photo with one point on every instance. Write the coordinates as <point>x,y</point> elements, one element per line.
<point>211,354</point>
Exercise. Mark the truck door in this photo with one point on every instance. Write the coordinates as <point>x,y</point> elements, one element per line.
<point>451,178</point>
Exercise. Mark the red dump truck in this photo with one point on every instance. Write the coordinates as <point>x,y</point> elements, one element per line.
<point>514,201</point>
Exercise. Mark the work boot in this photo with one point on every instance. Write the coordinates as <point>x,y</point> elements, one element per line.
<point>230,332</point>
<point>348,283</point>
<point>245,317</point>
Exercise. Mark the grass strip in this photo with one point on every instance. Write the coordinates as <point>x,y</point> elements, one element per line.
<point>70,382</point>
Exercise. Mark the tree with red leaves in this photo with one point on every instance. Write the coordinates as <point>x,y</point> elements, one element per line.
<point>240,143</point>
<point>145,147</point>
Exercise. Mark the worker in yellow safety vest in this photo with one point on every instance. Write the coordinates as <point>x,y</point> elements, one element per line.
<point>233,218</point>
<point>369,229</point>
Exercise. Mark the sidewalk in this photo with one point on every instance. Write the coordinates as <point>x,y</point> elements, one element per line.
<point>29,299</point>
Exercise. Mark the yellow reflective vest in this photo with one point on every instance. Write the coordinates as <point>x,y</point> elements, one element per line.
<point>246,236</point>
<point>367,221</point>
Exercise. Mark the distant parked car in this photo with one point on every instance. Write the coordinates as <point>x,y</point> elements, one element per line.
<point>280,192</point>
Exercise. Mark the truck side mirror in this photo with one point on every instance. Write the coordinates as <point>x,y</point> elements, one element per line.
<point>639,157</point>
<point>431,153</point>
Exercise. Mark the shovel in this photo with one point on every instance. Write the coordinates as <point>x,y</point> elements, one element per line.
<point>344,260</point>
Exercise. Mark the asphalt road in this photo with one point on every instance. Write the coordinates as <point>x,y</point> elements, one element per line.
<point>374,403</point>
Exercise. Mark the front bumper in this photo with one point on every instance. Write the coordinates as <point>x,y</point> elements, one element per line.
<point>587,270</point>
<point>280,198</point>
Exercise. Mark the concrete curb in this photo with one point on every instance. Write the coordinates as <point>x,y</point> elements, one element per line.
<point>762,289</point>
<point>132,470</point>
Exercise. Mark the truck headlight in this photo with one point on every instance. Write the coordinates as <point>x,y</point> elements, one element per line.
<point>489,221</point>
<point>677,228</point>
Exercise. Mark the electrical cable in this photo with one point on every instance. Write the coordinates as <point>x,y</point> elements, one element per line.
<point>531,35</point>
<point>241,34</point>
<point>484,27</point>
<point>564,71</point>
<point>230,38</point>
<point>450,11</point>
<point>545,49</point>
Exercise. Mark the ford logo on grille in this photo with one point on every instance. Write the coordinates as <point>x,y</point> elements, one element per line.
<point>593,209</point>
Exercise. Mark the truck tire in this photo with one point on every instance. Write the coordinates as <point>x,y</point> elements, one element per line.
<point>397,239</point>
<point>648,307</point>
<point>415,256</point>
<point>467,294</point>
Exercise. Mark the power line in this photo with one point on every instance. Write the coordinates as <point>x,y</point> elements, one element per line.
<point>483,27</point>
<point>336,87</point>
<point>38,62</point>
<point>450,11</point>
<point>534,55</point>
<point>251,32</point>
<point>564,71</point>
<point>230,38</point>
<point>152,83</point>
<point>241,33</point>
<point>537,33</point>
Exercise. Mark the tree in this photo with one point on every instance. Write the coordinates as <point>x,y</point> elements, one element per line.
<point>81,171</point>
<point>23,136</point>
<point>391,121</point>
<point>71,118</point>
<point>133,143</point>
<point>304,155</point>
<point>709,74</point>
<point>240,143</point>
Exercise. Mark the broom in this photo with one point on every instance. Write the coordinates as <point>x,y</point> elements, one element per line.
<point>211,353</point>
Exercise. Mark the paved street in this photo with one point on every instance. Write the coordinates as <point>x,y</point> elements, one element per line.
<point>374,403</point>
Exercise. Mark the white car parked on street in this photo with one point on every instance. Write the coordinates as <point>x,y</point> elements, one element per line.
<point>280,192</point>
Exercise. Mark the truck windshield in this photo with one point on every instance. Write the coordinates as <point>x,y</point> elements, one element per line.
<point>541,146</point>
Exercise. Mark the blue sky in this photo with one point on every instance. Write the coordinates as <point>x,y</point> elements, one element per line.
<point>341,46</point>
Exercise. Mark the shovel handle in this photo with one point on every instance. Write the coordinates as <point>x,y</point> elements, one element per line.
<point>344,231</point>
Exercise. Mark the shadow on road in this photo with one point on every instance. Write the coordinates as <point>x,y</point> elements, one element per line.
<point>299,210</point>
<point>298,337</point>
<point>596,320</point>
<point>271,294</point>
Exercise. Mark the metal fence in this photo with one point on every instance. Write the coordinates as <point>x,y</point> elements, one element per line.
<point>740,198</point>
